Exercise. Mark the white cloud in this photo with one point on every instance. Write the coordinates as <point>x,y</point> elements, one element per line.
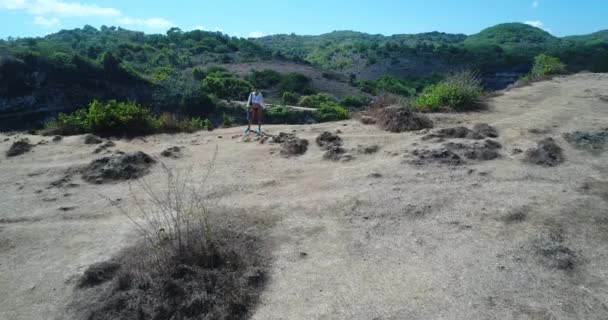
<point>537,24</point>
<point>59,8</point>
<point>42,9</point>
<point>256,34</point>
<point>535,3</point>
<point>46,22</point>
<point>153,23</point>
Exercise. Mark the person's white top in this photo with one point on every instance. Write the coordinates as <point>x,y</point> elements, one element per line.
<point>256,98</point>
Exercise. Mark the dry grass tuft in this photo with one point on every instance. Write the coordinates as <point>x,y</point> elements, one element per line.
<point>190,265</point>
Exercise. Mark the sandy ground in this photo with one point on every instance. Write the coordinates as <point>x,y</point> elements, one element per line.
<point>413,242</point>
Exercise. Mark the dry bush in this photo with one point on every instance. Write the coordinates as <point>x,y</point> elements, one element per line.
<point>190,265</point>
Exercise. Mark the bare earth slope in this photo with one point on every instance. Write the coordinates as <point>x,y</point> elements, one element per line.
<point>373,238</point>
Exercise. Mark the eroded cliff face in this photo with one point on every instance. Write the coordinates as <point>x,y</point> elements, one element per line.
<point>413,66</point>
<point>35,90</point>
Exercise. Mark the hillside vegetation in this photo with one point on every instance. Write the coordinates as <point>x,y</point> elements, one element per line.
<point>177,72</point>
<point>502,45</point>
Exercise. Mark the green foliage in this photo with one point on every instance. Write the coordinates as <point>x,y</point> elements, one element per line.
<point>509,34</point>
<point>284,115</point>
<point>290,98</point>
<point>227,121</point>
<point>296,82</point>
<point>316,100</point>
<point>120,118</point>
<point>400,86</point>
<point>111,118</point>
<point>459,92</point>
<point>354,102</point>
<point>69,124</point>
<point>330,111</point>
<point>196,103</point>
<point>198,123</point>
<point>198,74</point>
<point>264,79</point>
<point>545,65</point>
<point>225,86</point>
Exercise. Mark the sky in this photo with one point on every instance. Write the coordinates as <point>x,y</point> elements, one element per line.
<point>255,18</point>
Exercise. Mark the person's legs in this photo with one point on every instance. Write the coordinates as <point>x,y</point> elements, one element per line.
<point>260,118</point>
<point>250,114</point>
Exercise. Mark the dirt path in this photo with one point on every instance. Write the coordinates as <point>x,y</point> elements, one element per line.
<point>373,238</point>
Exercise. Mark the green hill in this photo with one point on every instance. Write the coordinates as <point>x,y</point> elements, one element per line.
<point>511,34</point>
<point>67,69</point>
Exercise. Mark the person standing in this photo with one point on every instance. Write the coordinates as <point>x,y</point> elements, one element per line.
<point>255,105</point>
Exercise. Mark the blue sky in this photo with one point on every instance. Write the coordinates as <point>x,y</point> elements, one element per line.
<point>21,18</point>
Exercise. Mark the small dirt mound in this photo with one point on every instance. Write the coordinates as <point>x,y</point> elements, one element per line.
<point>98,273</point>
<point>371,149</point>
<point>439,156</point>
<point>400,119</point>
<point>19,147</point>
<point>123,166</point>
<point>368,120</point>
<point>454,133</point>
<point>291,145</point>
<point>92,139</point>
<point>327,140</point>
<point>454,153</point>
<point>337,153</point>
<point>222,283</point>
<point>57,138</point>
<point>173,153</point>
<point>592,141</point>
<point>554,254</point>
<point>547,154</point>
<point>106,145</point>
<point>486,130</point>
<point>483,152</point>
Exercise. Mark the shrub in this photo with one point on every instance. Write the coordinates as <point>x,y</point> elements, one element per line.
<point>316,100</point>
<point>69,124</point>
<point>198,74</point>
<point>459,92</point>
<point>109,119</point>
<point>196,104</point>
<point>545,65</point>
<point>227,87</point>
<point>119,118</point>
<point>296,82</point>
<point>290,98</point>
<point>330,111</point>
<point>227,121</point>
<point>354,102</point>
<point>393,85</point>
<point>190,264</point>
<point>201,124</point>
<point>284,115</point>
<point>264,79</point>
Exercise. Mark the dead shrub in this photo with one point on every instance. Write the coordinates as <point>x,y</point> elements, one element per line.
<point>190,265</point>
